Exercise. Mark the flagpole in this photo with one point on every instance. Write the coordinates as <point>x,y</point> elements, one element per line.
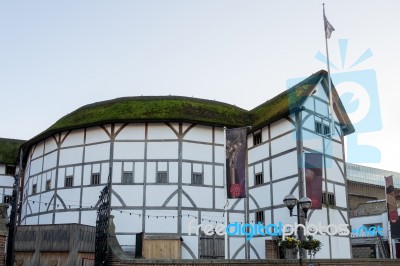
<point>332,123</point>
<point>226,200</point>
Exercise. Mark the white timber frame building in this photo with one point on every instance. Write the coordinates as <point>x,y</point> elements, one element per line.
<point>166,156</point>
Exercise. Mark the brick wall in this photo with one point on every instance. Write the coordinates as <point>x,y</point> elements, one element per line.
<point>3,240</point>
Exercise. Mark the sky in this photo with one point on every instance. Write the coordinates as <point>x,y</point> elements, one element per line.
<point>56,56</point>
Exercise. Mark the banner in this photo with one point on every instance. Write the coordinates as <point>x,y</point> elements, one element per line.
<point>391,200</point>
<point>313,174</point>
<point>236,162</point>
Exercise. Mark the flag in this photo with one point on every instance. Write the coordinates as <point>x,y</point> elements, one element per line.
<point>236,162</point>
<point>313,173</point>
<point>328,27</point>
<point>391,200</point>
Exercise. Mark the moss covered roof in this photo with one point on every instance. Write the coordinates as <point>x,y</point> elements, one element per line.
<point>9,150</point>
<point>193,110</point>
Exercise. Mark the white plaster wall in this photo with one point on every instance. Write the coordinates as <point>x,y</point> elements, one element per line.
<point>220,198</point>
<point>258,153</point>
<point>36,166</point>
<point>192,243</point>
<point>259,245</point>
<point>200,133</point>
<point>250,176</point>
<point>266,171</point>
<point>320,93</point>
<point>128,150</point>
<point>70,217</point>
<point>127,223</point>
<point>340,247</point>
<point>88,217</point>
<point>151,172</point>
<point>340,196</point>
<point>282,188</point>
<point>321,107</point>
<point>162,150</point>
<point>333,171</point>
<point>261,195</point>
<point>281,126</point>
<point>309,103</point>
<point>189,220</point>
<point>132,195</point>
<point>198,195</point>
<point>75,137</point>
<point>38,150</point>
<point>208,174</point>
<point>337,150</point>
<point>2,169</point>
<point>71,156</point>
<point>90,195</point>
<point>199,152</point>
<point>284,143</point>
<point>50,145</point>
<point>6,181</point>
<point>97,152</point>
<point>71,197</point>
<point>173,172</point>
<point>219,175</point>
<point>160,131</point>
<point>161,225</point>
<point>96,134</point>
<point>45,218</point>
<point>219,135</point>
<point>235,244</point>
<point>312,141</point>
<point>219,154</point>
<point>131,132</point>
<point>50,161</point>
<point>186,173</point>
<point>284,165</point>
<point>156,195</point>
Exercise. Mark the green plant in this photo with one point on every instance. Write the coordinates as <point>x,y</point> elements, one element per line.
<point>289,243</point>
<point>312,245</point>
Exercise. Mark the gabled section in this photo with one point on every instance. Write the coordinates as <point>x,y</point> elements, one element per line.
<point>292,100</point>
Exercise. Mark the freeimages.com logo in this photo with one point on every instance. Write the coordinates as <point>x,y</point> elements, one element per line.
<point>249,230</point>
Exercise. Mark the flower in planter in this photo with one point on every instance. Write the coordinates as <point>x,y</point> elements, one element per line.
<point>289,243</point>
<point>312,245</point>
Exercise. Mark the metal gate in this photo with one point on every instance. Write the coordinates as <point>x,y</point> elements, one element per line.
<point>103,214</point>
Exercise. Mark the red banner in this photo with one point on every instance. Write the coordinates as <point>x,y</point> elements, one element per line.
<point>236,162</point>
<point>313,174</point>
<point>391,199</point>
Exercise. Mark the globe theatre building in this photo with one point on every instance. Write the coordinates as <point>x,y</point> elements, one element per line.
<point>165,157</point>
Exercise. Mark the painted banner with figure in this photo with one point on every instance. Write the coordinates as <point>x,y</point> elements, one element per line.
<point>391,199</point>
<point>236,162</point>
<point>313,175</point>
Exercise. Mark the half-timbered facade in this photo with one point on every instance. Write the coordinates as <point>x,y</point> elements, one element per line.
<point>165,158</point>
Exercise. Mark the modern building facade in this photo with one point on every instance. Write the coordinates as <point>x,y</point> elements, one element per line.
<point>165,157</point>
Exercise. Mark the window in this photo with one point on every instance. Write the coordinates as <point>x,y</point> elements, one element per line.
<point>69,181</point>
<point>257,138</point>
<point>259,179</point>
<point>7,199</point>
<point>48,185</point>
<point>95,178</point>
<point>260,217</point>
<point>318,127</point>
<point>127,177</point>
<point>162,177</point>
<point>330,197</point>
<point>10,169</point>
<point>327,130</point>
<point>197,178</point>
<point>34,189</point>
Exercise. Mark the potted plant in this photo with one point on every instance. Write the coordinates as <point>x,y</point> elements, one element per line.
<point>289,246</point>
<point>312,245</point>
